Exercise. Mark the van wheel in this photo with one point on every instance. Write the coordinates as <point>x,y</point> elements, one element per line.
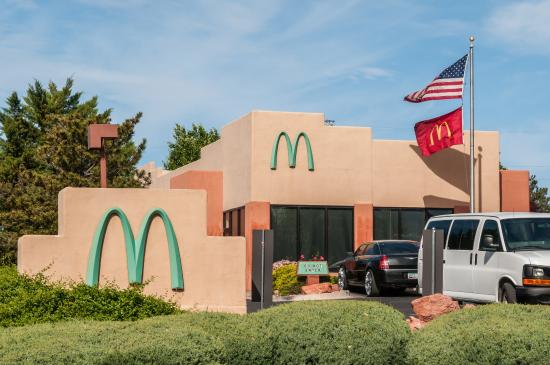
<point>508,294</point>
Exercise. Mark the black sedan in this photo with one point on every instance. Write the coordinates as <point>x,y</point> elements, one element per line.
<point>379,266</point>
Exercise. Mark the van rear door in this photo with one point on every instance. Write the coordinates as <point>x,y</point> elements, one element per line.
<point>458,255</point>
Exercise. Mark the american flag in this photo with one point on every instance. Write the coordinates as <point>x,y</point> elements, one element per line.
<point>448,85</point>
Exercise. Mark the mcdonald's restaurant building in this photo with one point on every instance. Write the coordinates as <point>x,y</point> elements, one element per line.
<point>324,189</point>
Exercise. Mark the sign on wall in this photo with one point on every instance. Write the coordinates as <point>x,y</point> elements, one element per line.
<point>292,150</point>
<point>135,249</point>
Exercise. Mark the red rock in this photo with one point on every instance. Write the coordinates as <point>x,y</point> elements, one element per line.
<point>335,287</point>
<point>415,323</point>
<point>468,305</point>
<point>317,288</point>
<point>432,306</point>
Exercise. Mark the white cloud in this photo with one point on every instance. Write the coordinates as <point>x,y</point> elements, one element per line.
<point>524,25</point>
<point>374,72</point>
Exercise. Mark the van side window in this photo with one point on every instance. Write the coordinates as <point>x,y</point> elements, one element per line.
<point>444,225</point>
<point>490,227</point>
<point>462,234</point>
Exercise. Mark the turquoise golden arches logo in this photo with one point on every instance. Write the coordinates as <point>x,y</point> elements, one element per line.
<point>292,150</point>
<point>135,250</point>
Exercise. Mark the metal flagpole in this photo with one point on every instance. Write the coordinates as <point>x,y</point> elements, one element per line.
<point>472,141</point>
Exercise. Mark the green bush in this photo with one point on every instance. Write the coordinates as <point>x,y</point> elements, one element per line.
<point>345,332</point>
<point>491,334</point>
<point>25,300</point>
<point>285,280</point>
<point>329,332</point>
<point>161,340</point>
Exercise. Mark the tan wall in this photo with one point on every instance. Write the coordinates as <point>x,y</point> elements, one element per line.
<point>404,178</point>
<point>341,157</point>
<point>212,183</point>
<point>350,167</point>
<point>213,267</point>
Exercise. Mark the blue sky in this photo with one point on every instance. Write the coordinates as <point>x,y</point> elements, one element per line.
<point>213,61</point>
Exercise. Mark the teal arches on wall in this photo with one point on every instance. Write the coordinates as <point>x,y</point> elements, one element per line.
<point>292,150</point>
<point>135,250</point>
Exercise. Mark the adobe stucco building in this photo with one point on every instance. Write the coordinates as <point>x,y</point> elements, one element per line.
<point>346,188</point>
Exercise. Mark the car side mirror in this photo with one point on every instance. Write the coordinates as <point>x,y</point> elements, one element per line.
<point>489,242</point>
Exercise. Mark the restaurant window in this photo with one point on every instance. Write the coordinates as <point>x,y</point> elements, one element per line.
<point>233,222</point>
<point>403,223</point>
<point>312,231</point>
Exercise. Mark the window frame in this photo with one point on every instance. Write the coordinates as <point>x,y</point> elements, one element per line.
<point>326,209</point>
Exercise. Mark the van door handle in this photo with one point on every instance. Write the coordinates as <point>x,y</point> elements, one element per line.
<point>476,259</point>
<point>471,258</point>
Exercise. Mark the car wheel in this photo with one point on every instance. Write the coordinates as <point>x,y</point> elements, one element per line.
<point>371,288</point>
<point>342,279</point>
<point>508,294</point>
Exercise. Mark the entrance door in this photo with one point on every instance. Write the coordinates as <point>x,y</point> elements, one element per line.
<point>458,256</point>
<point>486,263</point>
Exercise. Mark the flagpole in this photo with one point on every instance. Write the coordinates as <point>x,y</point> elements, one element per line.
<point>472,140</point>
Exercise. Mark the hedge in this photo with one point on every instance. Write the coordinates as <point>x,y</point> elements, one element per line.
<point>329,332</point>
<point>286,280</point>
<point>490,334</point>
<point>345,332</point>
<point>26,300</point>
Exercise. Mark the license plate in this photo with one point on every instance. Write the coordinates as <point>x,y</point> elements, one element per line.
<point>412,275</point>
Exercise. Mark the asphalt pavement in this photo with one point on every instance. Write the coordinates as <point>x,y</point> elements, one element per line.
<point>401,301</point>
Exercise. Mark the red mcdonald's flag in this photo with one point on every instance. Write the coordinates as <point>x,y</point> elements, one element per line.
<point>438,133</point>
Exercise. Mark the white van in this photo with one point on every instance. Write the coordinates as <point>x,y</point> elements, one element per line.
<point>495,257</point>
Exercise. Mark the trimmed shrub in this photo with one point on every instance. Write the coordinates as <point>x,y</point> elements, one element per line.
<point>162,340</point>
<point>25,300</point>
<point>285,280</point>
<point>329,332</point>
<point>490,334</point>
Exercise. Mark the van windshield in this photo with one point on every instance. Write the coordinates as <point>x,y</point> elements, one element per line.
<point>526,233</point>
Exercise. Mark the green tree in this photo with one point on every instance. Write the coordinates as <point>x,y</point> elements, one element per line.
<point>187,144</point>
<point>538,196</point>
<point>43,149</point>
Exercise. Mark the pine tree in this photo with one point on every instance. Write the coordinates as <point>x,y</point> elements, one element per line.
<point>43,149</point>
<point>538,196</point>
<point>187,145</point>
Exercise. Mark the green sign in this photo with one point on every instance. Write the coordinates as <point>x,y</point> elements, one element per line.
<point>135,249</point>
<point>292,150</point>
<point>312,268</point>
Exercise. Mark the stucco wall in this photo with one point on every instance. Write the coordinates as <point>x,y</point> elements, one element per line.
<point>350,167</point>
<point>342,174</point>
<point>213,267</point>
<point>404,178</point>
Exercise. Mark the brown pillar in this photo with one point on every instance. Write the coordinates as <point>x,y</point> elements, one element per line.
<point>257,216</point>
<point>103,169</point>
<point>212,182</point>
<point>363,219</point>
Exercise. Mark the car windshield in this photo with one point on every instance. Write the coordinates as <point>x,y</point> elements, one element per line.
<point>527,233</point>
<point>398,247</point>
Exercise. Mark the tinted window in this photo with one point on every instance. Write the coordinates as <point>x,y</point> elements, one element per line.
<point>527,233</point>
<point>284,222</point>
<point>312,232</point>
<point>462,234</point>
<point>373,250</point>
<point>398,247</point>
<point>444,225</point>
<point>339,233</point>
<point>490,228</point>
<point>360,250</point>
